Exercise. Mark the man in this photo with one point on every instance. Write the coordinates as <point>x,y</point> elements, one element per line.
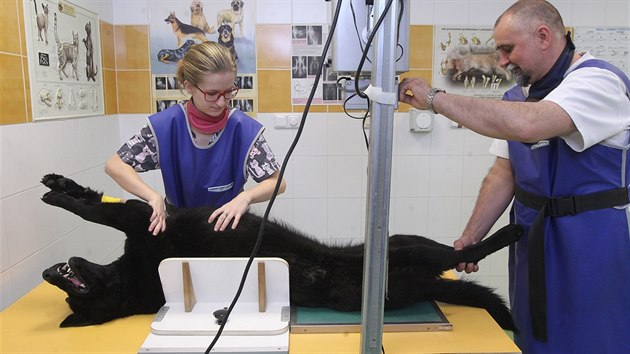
<point>566,164</point>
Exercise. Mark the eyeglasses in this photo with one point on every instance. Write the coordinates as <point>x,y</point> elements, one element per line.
<point>213,96</point>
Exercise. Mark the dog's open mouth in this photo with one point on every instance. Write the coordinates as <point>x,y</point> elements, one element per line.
<point>67,273</point>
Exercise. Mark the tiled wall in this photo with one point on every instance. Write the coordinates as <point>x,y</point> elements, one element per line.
<point>435,176</point>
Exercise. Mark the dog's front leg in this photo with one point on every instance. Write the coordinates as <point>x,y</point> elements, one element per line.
<point>129,217</point>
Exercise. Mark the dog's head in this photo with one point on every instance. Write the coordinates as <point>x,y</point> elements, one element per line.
<point>171,18</point>
<point>225,33</point>
<point>196,7</point>
<point>95,292</point>
<point>237,5</point>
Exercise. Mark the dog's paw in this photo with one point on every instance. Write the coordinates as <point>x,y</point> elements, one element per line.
<point>51,180</point>
<point>56,198</point>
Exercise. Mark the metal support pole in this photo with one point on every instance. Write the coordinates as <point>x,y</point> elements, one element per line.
<point>379,181</point>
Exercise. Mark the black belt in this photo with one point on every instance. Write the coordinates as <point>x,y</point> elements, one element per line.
<point>555,207</point>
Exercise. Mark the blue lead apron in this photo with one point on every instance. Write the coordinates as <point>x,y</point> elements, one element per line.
<point>202,176</point>
<point>576,257</point>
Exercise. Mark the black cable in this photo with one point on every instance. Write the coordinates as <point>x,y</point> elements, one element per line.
<point>278,183</point>
<point>367,47</point>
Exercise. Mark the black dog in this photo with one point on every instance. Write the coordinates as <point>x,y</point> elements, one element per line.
<point>320,275</point>
<point>175,55</point>
<point>226,39</point>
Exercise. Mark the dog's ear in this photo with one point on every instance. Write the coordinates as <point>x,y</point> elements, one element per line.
<point>76,320</point>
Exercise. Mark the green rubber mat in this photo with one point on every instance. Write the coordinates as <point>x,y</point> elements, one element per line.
<point>422,316</point>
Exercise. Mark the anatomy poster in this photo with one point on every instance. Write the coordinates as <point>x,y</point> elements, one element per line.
<point>609,43</point>
<point>177,25</point>
<point>307,46</point>
<point>466,62</point>
<point>64,57</point>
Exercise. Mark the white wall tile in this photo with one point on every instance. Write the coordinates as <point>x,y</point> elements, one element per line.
<point>310,11</point>
<point>445,176</point>
<point>7,295</point>
<point>312,140</point>
<point>345,176</point>
<point>311,217</point>
<point>421,12</point>
<point>4,249</point>
<point>345,136</point>
<point>274,11</point>
<point>411,176</point>
<point>446,140</point>
<point>588,14</point>
<point>451,12</point>
<point>617,13</point>
<point>411,216</point>
<point>17,172</point>
<point>344,218</point>
<point>408,143</point>
<point>443,220</point>
<point>474,171</point>
<point>131,12</point>
<point>485,13</point>
<point>310,176</point>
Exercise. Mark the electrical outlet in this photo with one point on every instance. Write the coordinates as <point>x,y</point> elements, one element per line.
<point>420,121</point>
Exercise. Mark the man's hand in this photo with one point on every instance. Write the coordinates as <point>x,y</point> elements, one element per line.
<point>465,267</point>
<point>414,91</point>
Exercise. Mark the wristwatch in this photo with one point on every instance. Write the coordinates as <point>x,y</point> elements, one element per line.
<point>430,97</point>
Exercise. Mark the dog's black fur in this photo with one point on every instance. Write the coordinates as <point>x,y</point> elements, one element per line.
<point>320,275</point>
<point>226,39</point>
<point>175,55</point>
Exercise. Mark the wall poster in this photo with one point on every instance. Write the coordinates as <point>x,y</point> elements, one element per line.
<point>466,62</point>
<point>609,43</point>
<point>177,25</point>
<point>306,51</point>
<point>64,60</point>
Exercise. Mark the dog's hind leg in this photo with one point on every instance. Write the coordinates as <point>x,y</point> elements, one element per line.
<point>441,257</point>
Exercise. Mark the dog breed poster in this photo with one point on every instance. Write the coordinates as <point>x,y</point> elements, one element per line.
<point>64,59</point>
<point>176,25</point>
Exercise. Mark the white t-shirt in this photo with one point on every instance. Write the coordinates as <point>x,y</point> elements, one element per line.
<point>590,96</point>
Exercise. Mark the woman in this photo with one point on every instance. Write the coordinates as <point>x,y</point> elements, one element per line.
<point>204,150</point>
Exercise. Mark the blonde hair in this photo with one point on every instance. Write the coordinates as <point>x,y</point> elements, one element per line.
<point>203,59</point>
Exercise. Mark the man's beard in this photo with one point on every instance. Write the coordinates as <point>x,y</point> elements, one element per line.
<point>521,77</point>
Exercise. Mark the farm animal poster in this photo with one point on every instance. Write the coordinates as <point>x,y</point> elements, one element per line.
<point>177,25</point>
<point>466,62</point>
<point>64,57</point>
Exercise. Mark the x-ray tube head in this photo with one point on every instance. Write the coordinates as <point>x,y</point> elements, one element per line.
<point>354,26</point>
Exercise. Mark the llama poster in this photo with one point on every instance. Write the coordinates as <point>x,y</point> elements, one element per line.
<point>64,60</point>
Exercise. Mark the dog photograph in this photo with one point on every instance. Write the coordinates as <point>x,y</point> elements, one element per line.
<point>321,275</point>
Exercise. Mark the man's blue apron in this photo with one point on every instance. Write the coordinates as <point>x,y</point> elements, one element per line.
<point>202,176</point>
<point>575,260</point>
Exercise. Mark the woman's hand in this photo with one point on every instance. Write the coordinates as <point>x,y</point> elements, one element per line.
<point>230,212</point>
<point>158,217</point>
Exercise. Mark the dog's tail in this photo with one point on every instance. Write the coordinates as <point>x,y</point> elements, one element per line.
<point>469,293</point>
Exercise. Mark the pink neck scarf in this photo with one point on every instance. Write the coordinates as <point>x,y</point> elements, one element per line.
<point>205,123</point>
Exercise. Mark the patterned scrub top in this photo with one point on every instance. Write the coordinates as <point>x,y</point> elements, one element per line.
<point>140,152</point>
